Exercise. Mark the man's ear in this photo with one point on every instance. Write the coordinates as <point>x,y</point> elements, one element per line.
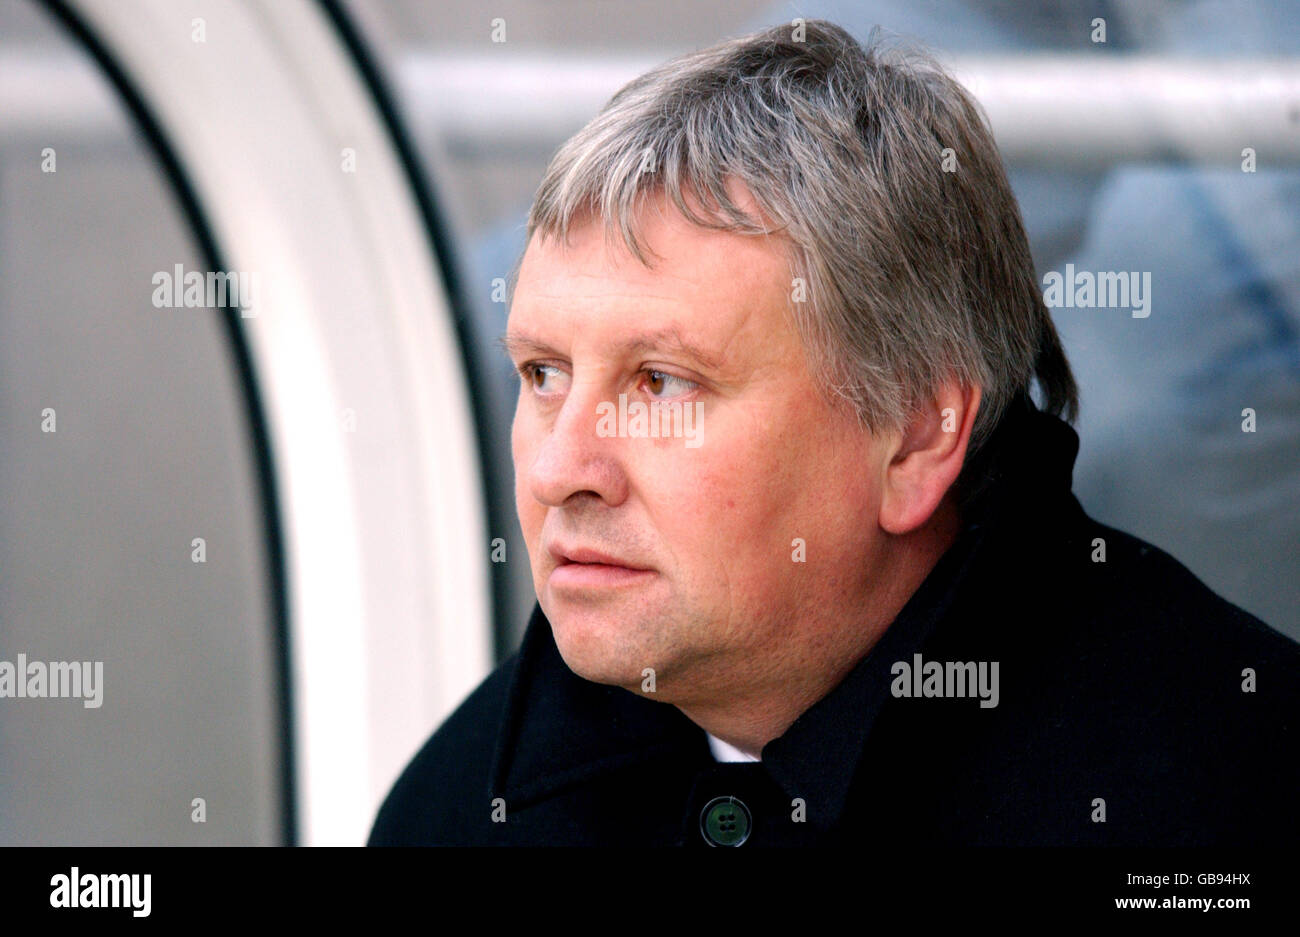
<point>927,457</point>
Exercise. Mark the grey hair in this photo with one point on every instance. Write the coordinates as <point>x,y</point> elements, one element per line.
<point>913,274</point>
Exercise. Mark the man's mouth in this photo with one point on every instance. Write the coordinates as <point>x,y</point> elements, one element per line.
<point>587,568</point>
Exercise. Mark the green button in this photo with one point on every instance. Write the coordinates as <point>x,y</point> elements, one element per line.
<point>725,821</point>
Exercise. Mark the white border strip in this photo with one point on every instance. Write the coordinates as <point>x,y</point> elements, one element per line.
<point>385,534</point>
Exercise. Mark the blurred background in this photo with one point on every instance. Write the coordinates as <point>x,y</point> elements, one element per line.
<point>274,520</point>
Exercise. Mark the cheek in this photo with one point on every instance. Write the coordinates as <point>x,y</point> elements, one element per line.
<point>517,436</point>
<point>531,514</point>
<point>753,494</point>
<point>727,510</point>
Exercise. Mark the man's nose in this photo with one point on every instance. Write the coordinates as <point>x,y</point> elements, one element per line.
<point>573,457</point>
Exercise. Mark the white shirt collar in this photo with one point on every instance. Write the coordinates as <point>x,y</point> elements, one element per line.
<point>724,752</point>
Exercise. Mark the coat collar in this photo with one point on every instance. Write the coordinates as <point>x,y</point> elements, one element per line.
<point>561,730</point>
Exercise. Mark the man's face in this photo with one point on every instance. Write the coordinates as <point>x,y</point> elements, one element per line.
<point>701,578</point>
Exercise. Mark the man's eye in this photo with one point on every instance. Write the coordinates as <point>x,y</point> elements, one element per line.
<point>658,381</point>
<point>536,375</point>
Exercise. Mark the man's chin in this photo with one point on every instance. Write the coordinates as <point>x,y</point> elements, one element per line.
<point>601,649</point>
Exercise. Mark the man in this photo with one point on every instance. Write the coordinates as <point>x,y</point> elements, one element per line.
<point>808,566</point>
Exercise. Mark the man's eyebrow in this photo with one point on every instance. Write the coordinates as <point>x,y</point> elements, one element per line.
<point>517,344</point>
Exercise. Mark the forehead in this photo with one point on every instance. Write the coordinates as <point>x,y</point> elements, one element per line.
<point>691,268</point>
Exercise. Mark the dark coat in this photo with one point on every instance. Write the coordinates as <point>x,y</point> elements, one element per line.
<point>1123,682</point>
